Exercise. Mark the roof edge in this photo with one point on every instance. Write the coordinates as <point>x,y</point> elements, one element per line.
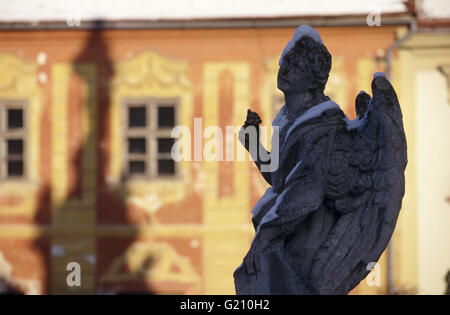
<point>272,22</point>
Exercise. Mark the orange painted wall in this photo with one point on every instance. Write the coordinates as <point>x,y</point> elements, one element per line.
<point>103,48</point>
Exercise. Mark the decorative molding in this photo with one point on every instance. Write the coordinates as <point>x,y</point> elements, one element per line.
<point>149,74</point>
<point>24,231</point>
<point>18,81</point>
<point>151,70</point>
<point>151,262</point>
<point>70,212</point>
<point>27,286</point>
<point>61,76</point>
<point>228,210</point>
<point>18,76</point>
<point>393,19</point>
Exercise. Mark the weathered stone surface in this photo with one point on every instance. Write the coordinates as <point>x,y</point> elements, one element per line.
<point>337,192</point>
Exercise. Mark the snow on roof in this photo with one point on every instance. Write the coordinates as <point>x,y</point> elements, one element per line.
<point>434,9</point>
<point>88,10</point>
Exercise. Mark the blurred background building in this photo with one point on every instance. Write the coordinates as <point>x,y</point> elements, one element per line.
<point>90,92</point>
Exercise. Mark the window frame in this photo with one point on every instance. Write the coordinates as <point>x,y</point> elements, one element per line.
<point>6,135</point>
<point>151,133</point>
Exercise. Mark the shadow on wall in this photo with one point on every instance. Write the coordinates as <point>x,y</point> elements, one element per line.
<point>84,218</point>
<point>84,204</point>
<point>89,94</point>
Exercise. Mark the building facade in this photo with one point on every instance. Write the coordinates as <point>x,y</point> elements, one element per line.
<point>87,175</point>
<point>87,111</point>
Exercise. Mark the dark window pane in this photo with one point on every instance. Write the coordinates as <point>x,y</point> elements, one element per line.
<point>136,145</point>
<point>137,167</point>
<point>165,145</point>
<point>166,166</point>
<point>166,116</point>
<point>15,146</point>
<point>15,168</point>
<point>137,117</point>
<point>15,118</point>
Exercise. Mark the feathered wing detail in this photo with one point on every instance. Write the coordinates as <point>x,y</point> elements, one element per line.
<point>365,186</point>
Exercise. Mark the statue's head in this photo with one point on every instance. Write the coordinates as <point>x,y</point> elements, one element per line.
<point>304,67</point>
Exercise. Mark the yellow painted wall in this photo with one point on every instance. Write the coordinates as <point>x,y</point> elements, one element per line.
<point>186,64</point>
<point>422,248</point>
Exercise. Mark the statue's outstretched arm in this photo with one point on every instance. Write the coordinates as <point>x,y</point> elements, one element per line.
<point>253,120</point>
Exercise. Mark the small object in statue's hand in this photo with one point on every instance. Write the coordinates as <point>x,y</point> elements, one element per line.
<point>252,119</point>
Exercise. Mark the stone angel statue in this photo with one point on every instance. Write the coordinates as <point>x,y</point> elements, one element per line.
<point>337,192</point>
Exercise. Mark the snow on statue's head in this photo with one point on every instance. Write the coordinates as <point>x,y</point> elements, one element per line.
<point>305,62</point>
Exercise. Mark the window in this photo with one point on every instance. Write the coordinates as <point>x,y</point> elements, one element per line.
<point>147,141</point>
<point>13,139</point>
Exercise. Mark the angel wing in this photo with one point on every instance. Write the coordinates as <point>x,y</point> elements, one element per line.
<point>365,186</point>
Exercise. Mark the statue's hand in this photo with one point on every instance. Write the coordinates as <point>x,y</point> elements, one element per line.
<point>252,119</point>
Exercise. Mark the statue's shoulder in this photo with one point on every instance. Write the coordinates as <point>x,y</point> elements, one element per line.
<point>321,113</point>
<point>322,116</point>
<point>316,123</point>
